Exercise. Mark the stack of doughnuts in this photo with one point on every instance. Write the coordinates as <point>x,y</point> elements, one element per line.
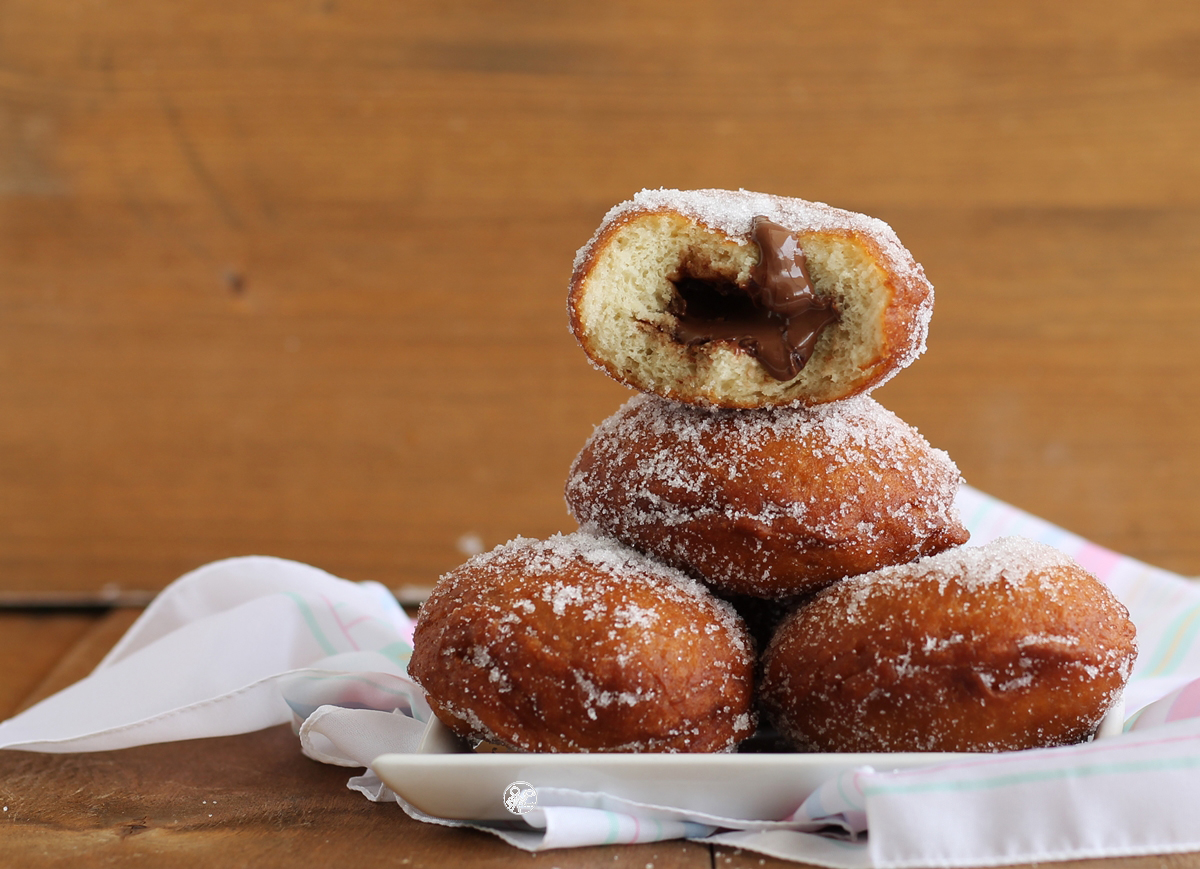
<point>753,497</point>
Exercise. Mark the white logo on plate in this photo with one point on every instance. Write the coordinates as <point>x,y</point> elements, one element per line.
<point>520,797</point>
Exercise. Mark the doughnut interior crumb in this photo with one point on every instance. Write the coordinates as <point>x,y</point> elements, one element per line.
<point>624,294</point>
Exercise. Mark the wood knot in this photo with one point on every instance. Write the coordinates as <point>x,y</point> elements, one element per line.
<point>235,281</point>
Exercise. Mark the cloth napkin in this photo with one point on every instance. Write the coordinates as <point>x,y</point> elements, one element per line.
<point>249,643</point>
<point>233,647</point>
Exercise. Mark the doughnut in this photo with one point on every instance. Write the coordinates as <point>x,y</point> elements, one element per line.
<point>739,299</point>
<point>578,643</point>
<point>1000,647</point>
<point>769,502</point>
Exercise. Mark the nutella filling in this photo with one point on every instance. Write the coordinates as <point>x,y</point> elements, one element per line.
<point>776,316</point>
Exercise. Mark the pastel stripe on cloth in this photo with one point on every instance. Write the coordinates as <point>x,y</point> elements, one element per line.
<point>1179,704</point>
<point>212,653</point>
<point>1129,795</point>
<point>565,825</point>
<point>319,603</point>
<point>551,828</point>
<point>837,803</point>
<point>248,643</point>
<point>1133,794</point>
<point>569,818</point>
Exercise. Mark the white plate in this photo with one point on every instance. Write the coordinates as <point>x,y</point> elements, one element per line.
<point>744,786</point>
<point>748,786</point>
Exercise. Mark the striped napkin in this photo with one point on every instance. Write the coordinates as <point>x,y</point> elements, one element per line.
<point>1137,793</point>
<point>214,652</point>
<point>248,643</point>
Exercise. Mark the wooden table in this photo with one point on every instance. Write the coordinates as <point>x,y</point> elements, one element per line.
<point>288,278</point>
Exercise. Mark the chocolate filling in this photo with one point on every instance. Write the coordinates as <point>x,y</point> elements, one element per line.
<point>776,316</point>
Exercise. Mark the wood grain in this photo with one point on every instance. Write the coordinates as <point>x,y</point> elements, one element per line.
<point>31,645</point>
<point>247,800</point>
<point>290,279</point>
<point>250,800</point>
<point>253,800</point>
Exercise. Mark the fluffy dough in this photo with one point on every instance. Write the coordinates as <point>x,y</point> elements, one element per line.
<point>1000,647</point>
<point>580,644</point>
<point>625,292</point>
<point>771,503</point>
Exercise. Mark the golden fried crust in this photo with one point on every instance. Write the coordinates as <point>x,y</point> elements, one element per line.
<point>769,503</point>
<point>1002,647</point>
<point>621,297</point>
<point>580,644</point>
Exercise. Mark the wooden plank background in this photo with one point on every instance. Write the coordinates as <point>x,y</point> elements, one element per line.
<point>287,277</point>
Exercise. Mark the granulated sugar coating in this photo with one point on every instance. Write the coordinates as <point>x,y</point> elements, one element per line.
<point>732,212</point>
<point>1000,647</point>
<point>768,503</point>
<point>578,643</point>
<point>632,282</point>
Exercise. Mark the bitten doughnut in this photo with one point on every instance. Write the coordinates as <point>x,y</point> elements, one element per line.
<point>580,644</point>
<point>739,299</point>
<point>1000,647</point>
<point>773,502</point>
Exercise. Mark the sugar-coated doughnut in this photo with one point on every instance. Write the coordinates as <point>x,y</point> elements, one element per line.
<point>577,644</point>
<point>772,502</point>
<point>1006,646</point>
<point>740,299</point>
